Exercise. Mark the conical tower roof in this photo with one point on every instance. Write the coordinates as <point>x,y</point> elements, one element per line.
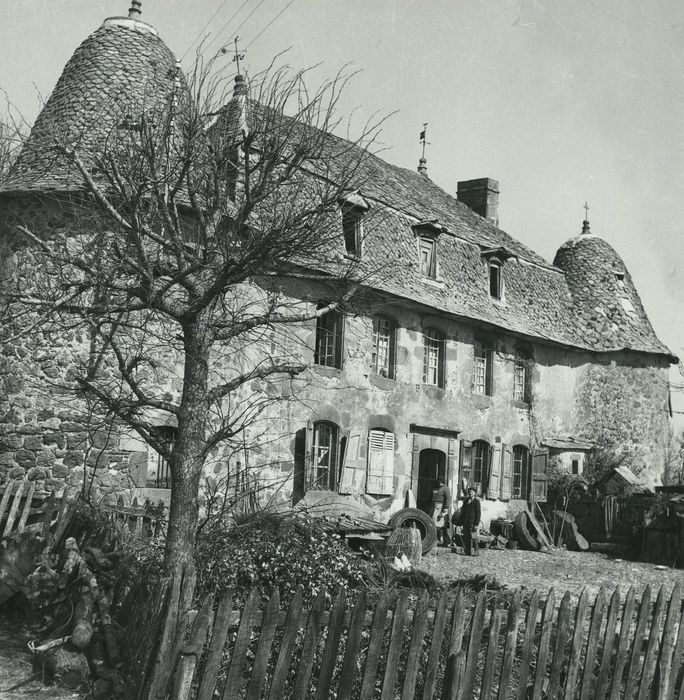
<point>608,311</point>
<point>121,71</point>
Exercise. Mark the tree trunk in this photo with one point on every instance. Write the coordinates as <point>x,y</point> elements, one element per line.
<point>188,452</point>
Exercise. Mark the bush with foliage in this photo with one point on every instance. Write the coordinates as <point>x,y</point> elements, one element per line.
<point>268,552</point>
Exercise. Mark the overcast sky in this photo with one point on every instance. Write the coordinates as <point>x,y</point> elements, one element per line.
<point>561,101</point>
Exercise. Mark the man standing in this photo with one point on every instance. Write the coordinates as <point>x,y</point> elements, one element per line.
<point>439,510</point>
<point>469,521</point>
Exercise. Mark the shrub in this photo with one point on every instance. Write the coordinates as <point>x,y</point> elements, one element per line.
<point>266,552</point>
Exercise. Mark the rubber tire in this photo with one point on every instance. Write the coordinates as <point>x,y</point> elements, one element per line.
<point>522,534</point>
<point>424,523</point>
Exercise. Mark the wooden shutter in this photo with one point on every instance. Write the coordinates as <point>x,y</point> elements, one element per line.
<point>380,476</point>
<point>506,472</point>
<point>353,468</point>
<point>308,455</point>
<point>494,486</point>
<point>540,460</point>
<point>466,464</point>
<point>489,371</point>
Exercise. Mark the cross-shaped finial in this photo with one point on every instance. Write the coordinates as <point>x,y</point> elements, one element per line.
<point>586,210</point>
<point>238,56</point>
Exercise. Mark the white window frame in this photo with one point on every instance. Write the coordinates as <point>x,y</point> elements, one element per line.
<point>380,474</point>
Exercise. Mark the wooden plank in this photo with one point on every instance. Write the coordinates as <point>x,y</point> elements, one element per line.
<point>233,689</point>
<point>435,647</point>
<point>623,645</point>
<point>635,662</point>
<point>215,649</point>
<point>592,645</point>
<point>667,665</point>
<point>512,622</point>
<point>653,645</point>
<point>456,658</point>
<point>27,507</point>
<point>488,673</point>
<point>528,642</point>
<point>420,620</point>
<point>351,650</point>
<point>263,652</point>
<point>560,646</point>
<point>544,541</point>
<point>543,651</point>
<point>190,654</point>
<point>374,648</point>
<point>5,498</point>
<point>313,626</point>
<point>474,644</point>
<point>331,647</point>
<point>13,508</point>
<point>287,645</point>
<point>609,643</point>
<point>47,521</point>
<point>394,650</point>
<point>576,646</point>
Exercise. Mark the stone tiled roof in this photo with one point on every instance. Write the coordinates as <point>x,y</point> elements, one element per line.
<point>120,70</point>
<point>608,312</point>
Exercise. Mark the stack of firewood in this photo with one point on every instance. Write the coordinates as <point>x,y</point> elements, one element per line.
<point>73,590</point>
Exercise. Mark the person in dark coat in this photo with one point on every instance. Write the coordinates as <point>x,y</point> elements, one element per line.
<point>469,520</point>
<point>439,510</point>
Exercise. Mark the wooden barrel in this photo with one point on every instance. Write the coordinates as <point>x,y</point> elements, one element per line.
<point>405,540</point>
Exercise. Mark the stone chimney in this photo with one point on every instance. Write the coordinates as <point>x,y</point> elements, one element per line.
<point>482,196</point>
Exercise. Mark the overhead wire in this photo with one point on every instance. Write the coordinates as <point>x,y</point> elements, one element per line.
<point>209,21</point>
<point>269,24</point>
<point>237,29</point>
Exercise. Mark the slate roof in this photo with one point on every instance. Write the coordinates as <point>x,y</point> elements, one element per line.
<point>120,69</point>
<point>607,309</point>
<point>124,67</point>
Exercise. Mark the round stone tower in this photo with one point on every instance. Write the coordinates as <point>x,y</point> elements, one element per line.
<point>122,73</point>
<point>622,396</point>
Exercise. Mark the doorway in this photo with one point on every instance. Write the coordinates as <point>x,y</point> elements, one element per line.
<point>431,466</point>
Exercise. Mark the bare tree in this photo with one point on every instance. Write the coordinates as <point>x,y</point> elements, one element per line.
<point>197,232</point>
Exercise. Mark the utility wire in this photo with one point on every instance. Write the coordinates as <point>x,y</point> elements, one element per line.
<point>237,29</point>
<point>268,25</point>
<point>211,19</point>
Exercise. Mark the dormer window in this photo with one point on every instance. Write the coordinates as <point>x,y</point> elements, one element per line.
<point>352,229</point>
<point>495,259</point>
<point>620,279</point>
<point>427,233</point>
<point>354,206</point>
<point>495,280</point>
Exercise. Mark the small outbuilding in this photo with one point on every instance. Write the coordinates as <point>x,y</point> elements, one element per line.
<point>621,481</point>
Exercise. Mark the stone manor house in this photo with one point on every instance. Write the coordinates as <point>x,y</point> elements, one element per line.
<point>478,361</point>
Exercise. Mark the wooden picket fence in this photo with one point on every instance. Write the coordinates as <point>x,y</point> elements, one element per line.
<point>460,646</point>
<point>25,509</point>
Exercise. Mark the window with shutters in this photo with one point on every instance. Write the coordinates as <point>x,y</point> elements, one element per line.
<point>158,466</point>
<point>380,476</point>
<point>433,357</point>
<point>482,370</point>
<point>329,329</point>
<point>428,256</point>
<point>521,460</point>
<point>324,462</point>
<point>480,467</point>
<point>384,334</point>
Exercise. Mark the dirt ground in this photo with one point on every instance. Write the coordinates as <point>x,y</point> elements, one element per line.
<point>563,570</point>
<point>16,667</point>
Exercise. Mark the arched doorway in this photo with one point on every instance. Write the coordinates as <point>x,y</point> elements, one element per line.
<point>431,466</point>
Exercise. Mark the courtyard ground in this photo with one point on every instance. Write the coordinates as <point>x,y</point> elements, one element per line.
<point>562,570</point>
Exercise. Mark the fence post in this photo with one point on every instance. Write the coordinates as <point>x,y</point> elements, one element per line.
<point>665,659</point>
<point>509,650</point>
<point>528,642</point>
<point>592,645</point>
<point>417,634</point>
<point>287,646</point>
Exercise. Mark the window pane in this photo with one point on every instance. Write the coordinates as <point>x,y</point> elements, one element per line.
<point>495,281</point>
<point>519,380</point>
<point>383,337</point>
<point>351,228</point>
<point>482,370</point>
<point>325,455</point>
<point>427,257</point>
<point>432,357</point>
<point>328,351</point>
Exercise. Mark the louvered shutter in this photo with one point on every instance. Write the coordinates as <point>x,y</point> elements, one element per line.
<point>308,455</point>
<point>466,465</point>
<point>353,469</point>
<point>506,472</point>
<point>380,476</point>
<point>540,460</point>
<point>494,487</point>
